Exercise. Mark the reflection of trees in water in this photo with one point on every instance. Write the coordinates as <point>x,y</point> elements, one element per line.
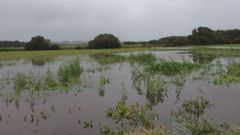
<point>203,58</point>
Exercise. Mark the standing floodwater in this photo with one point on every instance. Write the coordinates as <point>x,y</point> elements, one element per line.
<point>83,94</point>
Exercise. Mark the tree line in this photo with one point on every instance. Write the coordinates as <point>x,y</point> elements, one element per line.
<point>4,44</point>
<point>199,36</point>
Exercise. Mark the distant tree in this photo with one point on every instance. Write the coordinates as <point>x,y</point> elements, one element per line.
<point>54,47</point>
<point>236,40</point>
<point>5,44</point>
<point>104,41</point>
<point>38,43</point>
<point>202,36</point>
<point>180,41</point>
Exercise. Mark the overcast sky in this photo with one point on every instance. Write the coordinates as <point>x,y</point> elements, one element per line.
<point>128,19</point>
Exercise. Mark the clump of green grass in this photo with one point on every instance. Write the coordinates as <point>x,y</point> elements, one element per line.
<point>135,115</point>
<point>21,81</point>
<point>190,118</point>
<point>171,67</point>
<point>230,76</point>
<point>70,71</point>
<point>33,84</point>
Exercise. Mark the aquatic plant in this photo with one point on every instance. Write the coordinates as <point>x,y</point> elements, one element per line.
<point>50,81</point>
<point>190,117</point>
<point>155,89</point>
<point>88,124</point>
<point>105,130</point>
<point>41,60</point>
<point>101,85</point>
<point>171,67</point>
<point>70,71</point>
<point>153,84</point>
<point>230,76</point>
<point>135,115</point>
<point>34,84</point>
<point>21,81</point>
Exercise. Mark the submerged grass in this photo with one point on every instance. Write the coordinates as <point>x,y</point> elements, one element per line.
<point>141,58</point>
<point>215,52</point>
<point>70,71</point>
<point>231,76</point>
<point>41,60</point>
<point>34,84</point>
<point>190,117</point>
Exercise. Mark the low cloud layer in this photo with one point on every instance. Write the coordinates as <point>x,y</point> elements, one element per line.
<point>128,19</point>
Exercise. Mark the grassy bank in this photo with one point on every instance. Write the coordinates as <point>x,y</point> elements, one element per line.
<point>18,53</point>
<point>28,54</point>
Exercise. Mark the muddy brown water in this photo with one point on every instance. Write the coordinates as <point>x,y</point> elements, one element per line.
<point>64,112</point>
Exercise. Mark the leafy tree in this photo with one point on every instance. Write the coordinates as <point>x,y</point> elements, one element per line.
<point>38,43</point>
<point>104,41</point>
<point>202,36</point>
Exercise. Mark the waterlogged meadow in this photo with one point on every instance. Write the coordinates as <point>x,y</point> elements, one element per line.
<point>148,93</point>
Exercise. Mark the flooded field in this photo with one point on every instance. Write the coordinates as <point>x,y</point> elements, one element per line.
<point>118,93</point>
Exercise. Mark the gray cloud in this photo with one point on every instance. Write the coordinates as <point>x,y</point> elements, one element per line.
<point>128,19</point>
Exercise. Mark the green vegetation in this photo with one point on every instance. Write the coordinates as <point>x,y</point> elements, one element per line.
<point>152,80</point>
<point>105,58</point>
<point>38,61</point>
<point>213,53</point>
<point>101,85</point>
<point>12,44</point>
<point>232,75</point>
<point>190,118</point>
<point>133,116</point>
<point>171,67</point>
<point>35,85</point>
<point>54,53</point>
<point>104,41</point>
<point>143,58</point>
<point>20,81</point>
<point>200,36</point>
<point>70,71</point>
<point>155,131</point>
<point>40,43</point>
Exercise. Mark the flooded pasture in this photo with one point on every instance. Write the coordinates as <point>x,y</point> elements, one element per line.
<point>72,95</point>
